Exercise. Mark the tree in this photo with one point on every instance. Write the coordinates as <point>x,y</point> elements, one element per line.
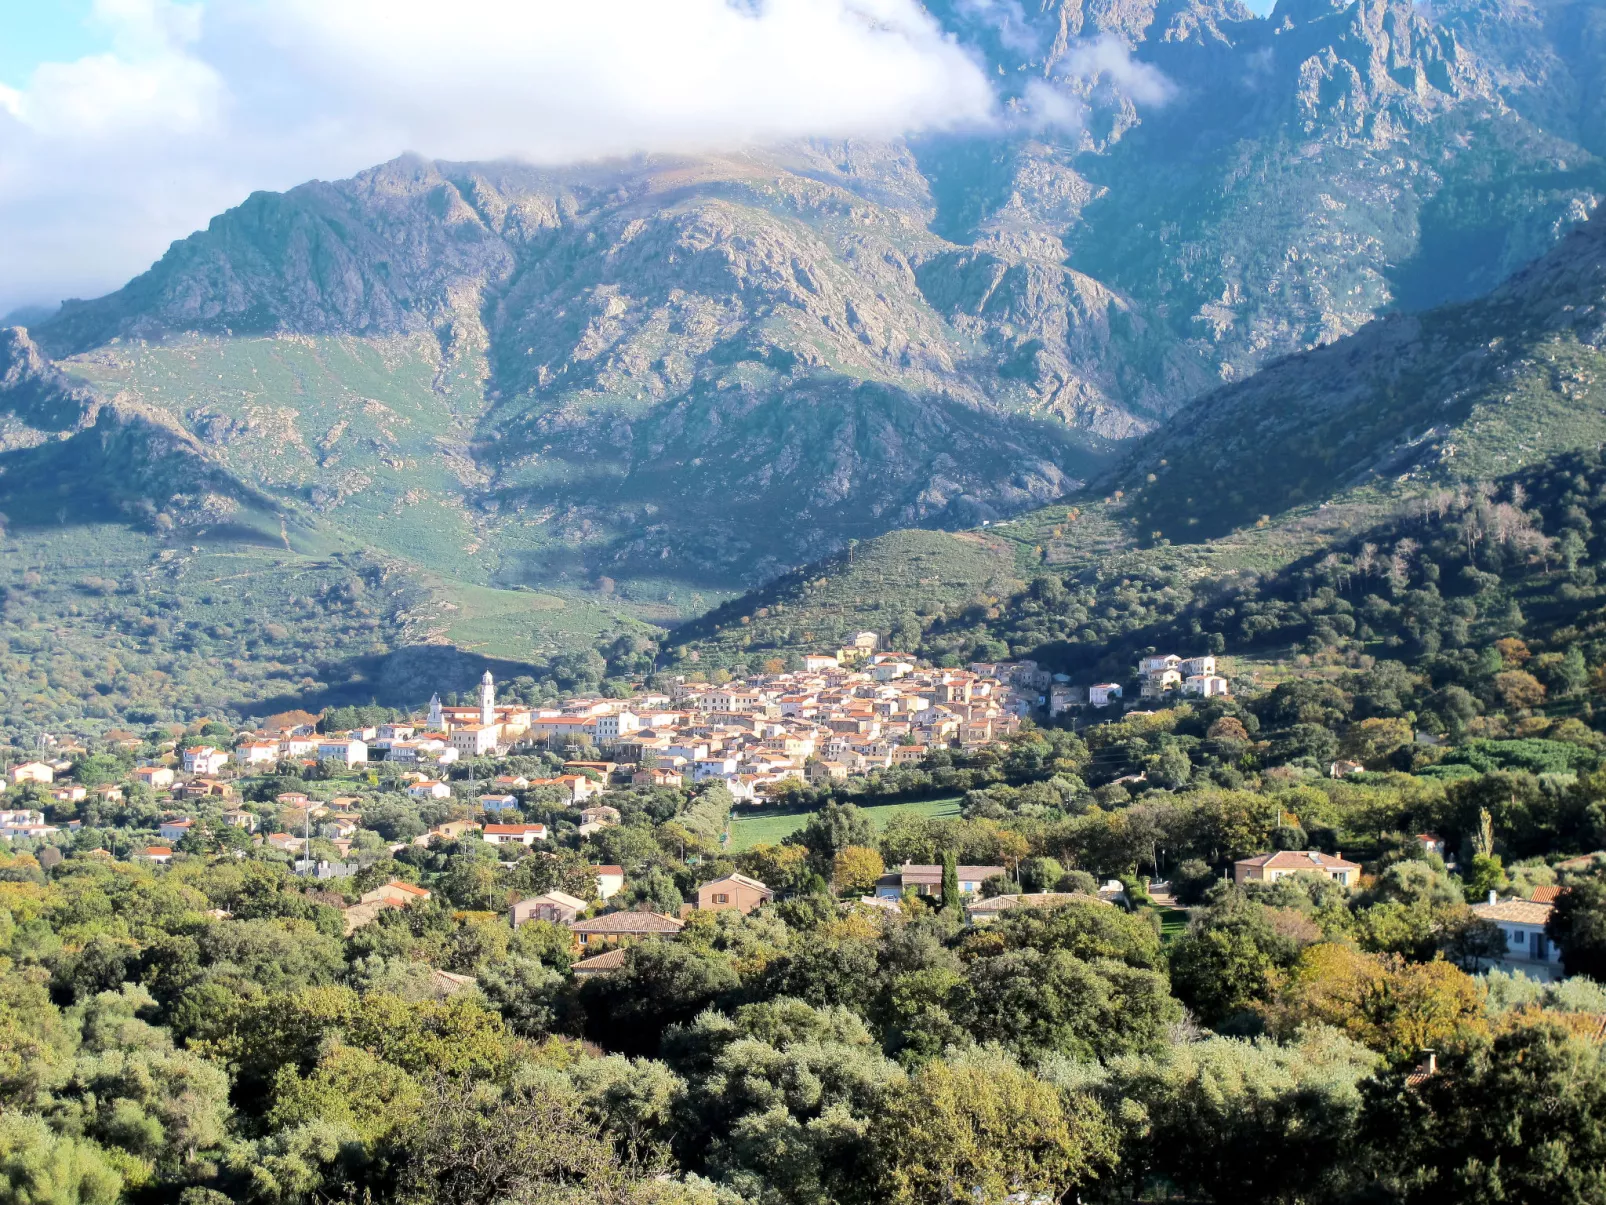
<point>41,1167</point>
<point>834,827</point>
<point>1229,959</point>
<point>661,984</point>
<point>1578,926</point>
<point>951,901</point>
<point>1397,1008</point>
<point>855,869</point>
<point>981,1129</point>
<point>1224,1119</point>
<point>1520,1117</point>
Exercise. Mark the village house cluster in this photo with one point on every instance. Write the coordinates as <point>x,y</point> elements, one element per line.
<point>1159,676</point>
<point>840,715</point>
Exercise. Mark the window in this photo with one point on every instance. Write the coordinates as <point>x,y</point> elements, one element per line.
<point>722,898</point>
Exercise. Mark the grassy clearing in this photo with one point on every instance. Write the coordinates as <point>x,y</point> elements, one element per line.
<point>770,829</point>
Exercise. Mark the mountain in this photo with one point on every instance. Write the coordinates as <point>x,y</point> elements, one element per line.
<point>1463,391</point>
<point>1315,456</point>
<point>644,387</point>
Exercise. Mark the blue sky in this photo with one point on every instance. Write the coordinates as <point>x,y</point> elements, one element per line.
<point>37,31</point>
<point>149,117</point>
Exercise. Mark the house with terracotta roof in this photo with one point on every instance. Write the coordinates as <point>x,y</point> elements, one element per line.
<point>612,928</point>
<point>599,964</point>
<point>513,834</point>
<point>33,771</point>
<point>926,879</point>
<point>1529,950</point>
<point>1268,868</point>
<point>396,891</point>
<point>159,854</point>
<point>610,880</point>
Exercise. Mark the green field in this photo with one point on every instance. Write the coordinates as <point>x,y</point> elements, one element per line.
<point>749,831</point>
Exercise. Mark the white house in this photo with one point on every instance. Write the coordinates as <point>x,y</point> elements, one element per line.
<point>344,749</point>
<point>256,753</point>
<point>203,759</point>
<point>1102,694</point>
<point>174,830</point>
<point>610,880</point>
<point>513,834</point>
<point>429,789</point>
<point>1158,664</point>
<point>1529,951</point>
<point>1205,685</point>
<point>1205,665</point>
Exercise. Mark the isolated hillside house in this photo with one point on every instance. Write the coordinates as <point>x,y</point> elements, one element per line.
<point>1529,950</point>
<point>733,891</point>
<point>599,817</point>
<point>1268,868</point>
<point>925,879</point>
<point>175,830</point>
<point>155,777</point>
<point>555,907</point>
<point>429,789</point>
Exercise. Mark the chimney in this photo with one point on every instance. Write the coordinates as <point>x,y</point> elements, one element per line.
<point>1430,1061</point>
<point>1494,896</point>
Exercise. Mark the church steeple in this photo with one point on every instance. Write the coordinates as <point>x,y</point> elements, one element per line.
<point>437,721</point>
<point>487,699</point>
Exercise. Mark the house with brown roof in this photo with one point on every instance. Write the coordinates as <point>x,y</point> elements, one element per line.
<point>733,891</point>
<point>985,912</point>
<point>926,879</point>
<point>612,928</point>
<point>1268,868</point>
<point>599,964</point>
<point>1529,950</point>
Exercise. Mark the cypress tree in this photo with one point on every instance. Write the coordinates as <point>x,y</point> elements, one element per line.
<point>950,882</point>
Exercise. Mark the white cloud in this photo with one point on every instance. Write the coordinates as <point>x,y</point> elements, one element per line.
<point>1107,59</point>
<point>105,160</point>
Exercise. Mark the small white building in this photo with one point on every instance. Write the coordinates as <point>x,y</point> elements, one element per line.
<point>1529,950</point>
<point>1205,685</point>
<point>610,880</point>
<point>1205,665</point>
<point>204,759</point>
<point>429,789</point>
<point>1102,694</point>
